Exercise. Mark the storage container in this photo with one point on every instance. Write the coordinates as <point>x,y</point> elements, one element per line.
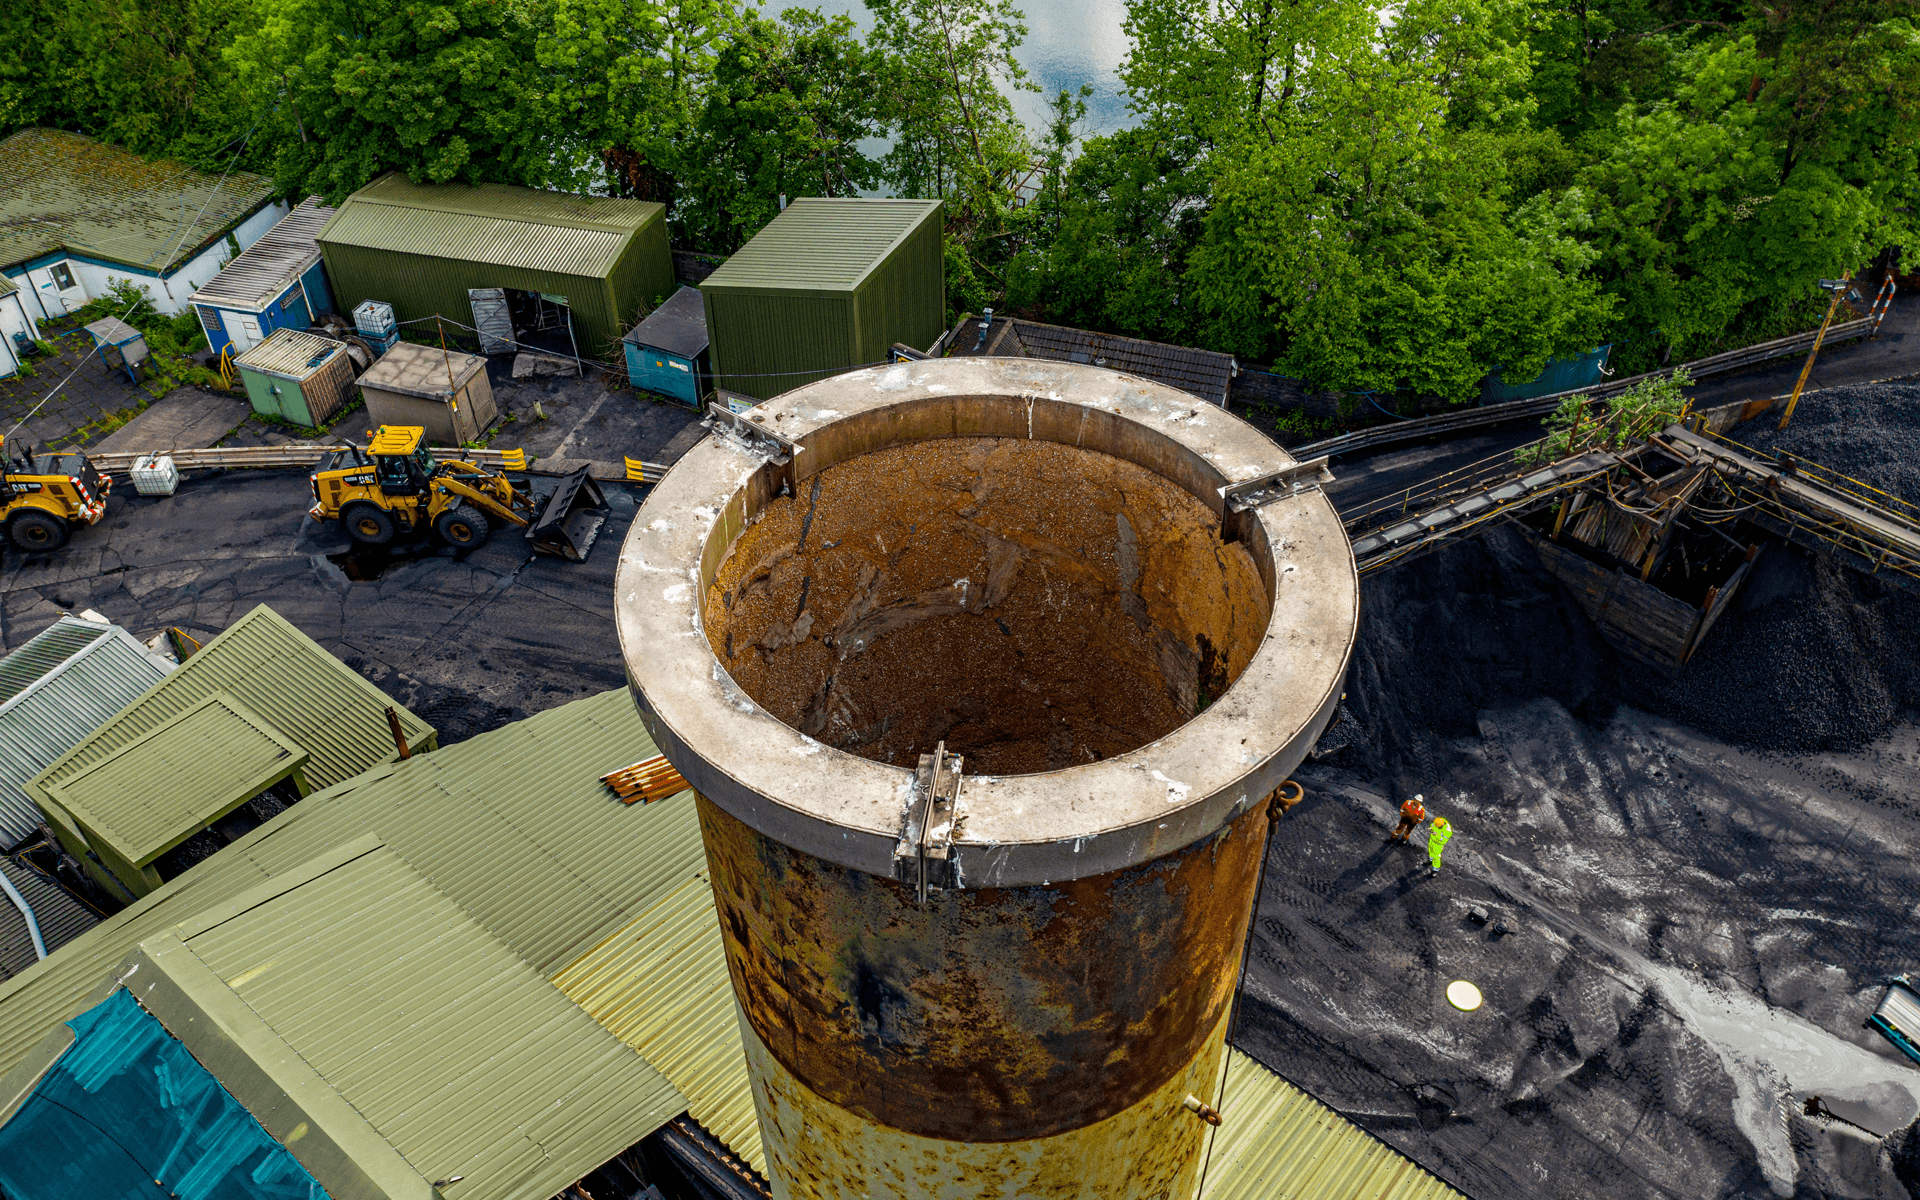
<point>154,475</point>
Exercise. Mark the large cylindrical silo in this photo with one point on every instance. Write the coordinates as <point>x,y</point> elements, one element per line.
<point>984,671</point>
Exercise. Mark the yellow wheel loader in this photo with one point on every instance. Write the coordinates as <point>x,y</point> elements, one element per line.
<point>45,495</point>
<point>396,489</point>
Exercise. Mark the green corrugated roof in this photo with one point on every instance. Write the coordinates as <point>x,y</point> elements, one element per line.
<point>435,1033</point>
<point>163,787</point>
<point>1275,1142</point>
<point>54,645</point>
<point>514,825</point>
<point>7,286</point>
<point>62,190</point>
<point>821,245</point>
<point>660,984</point>
<point>283,675</point>
<point>491,223</point>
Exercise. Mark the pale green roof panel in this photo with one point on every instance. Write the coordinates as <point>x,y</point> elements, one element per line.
<point>514,825</point>
<point>163,787</point>
<point>62,190</point>
<point>1275,1142</point>
<point>291,681</point>
<point>459,1056</point>
<point>661,986</point>
<point>54,645</point>
<point>491,223</point>
<point>821,245</point>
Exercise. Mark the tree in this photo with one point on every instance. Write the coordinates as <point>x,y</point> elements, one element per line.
<point>442,91</point>
<point>1716,210</point>
<point>785,113</point>
<point>955,135</point>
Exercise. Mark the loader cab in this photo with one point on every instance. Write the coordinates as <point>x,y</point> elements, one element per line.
<point>402,464</point>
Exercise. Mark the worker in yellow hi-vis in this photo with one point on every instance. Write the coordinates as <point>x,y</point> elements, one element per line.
<point>1437,841</point>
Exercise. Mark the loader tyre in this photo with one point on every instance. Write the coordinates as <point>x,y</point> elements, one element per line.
<point>462,527</point>
<point>367,524</point>
<point>37,532</point>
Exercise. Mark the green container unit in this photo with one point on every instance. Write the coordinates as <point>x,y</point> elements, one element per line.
<point>423,247</point>
<point>828,285</point>
<point>298,376</point>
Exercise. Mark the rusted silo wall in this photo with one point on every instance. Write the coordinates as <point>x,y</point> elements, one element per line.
<point>1008,987</point>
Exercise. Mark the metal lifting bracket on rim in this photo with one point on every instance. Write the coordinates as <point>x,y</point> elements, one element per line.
<point>760,440</point>
<point>1288,481</point>
<point>924,855</point>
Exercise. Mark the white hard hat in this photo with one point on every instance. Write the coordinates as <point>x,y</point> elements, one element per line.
<point>1418,798</point>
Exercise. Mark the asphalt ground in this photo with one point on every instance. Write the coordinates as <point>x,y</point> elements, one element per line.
<point>467,643</point>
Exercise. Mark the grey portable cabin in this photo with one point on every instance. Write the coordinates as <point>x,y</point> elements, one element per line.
<point>828,285</point>
<point>667,352</point>
<point>55,690</point>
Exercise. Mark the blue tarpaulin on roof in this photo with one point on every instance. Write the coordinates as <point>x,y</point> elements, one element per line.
<point>128,1114</point>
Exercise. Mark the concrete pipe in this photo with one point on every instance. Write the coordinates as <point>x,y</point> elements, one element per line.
<point>983,670</point>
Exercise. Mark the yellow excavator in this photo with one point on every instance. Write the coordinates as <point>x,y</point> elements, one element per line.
<point>43,496</point>
<point>396,489</point>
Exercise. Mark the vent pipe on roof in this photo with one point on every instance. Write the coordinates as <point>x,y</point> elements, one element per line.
<point>26,910</point>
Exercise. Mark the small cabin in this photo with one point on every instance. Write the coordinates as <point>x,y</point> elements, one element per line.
<point>276,283</point>
<point>667,352</point>
<point>445,392</point>
<point>297,376</point>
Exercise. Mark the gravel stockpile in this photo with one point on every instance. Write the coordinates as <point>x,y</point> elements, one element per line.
<point>1699,919</point>
<point>1812,656</point>
<point>1871,432</point>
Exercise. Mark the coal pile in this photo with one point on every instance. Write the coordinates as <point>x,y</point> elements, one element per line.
<point>1703,883</point>
<point>1870,432</point>
<point>1812,656</point>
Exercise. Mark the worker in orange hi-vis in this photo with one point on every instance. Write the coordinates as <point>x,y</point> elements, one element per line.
<point>1437,841</point>
<point>1412,813</point>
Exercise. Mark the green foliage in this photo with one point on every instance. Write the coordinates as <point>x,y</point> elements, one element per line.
<point>1388,200</point>
<point>1643,409</point>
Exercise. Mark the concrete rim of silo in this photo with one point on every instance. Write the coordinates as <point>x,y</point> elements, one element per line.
<point>1015,830</point>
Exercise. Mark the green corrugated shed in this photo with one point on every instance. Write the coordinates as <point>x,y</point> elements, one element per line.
<point>421,247</point>
<point>514,825</point>
<point>661,986</point>
<point>281,674</point>
<point>383,1035</point>
<point>827,285</point>
<point>167,785</point>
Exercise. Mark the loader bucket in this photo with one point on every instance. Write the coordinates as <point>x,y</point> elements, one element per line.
<point>571,518</point>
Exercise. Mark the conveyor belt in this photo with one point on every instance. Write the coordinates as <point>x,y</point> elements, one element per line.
<point>1507,498</point>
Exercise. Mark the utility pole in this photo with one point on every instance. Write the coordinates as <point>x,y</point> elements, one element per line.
<point>1839,288</point>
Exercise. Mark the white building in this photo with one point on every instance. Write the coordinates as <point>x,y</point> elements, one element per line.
<point>78,215</point>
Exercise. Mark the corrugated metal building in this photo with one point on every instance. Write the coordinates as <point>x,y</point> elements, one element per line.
<point>54,691</point>
<point>351,1000</point>
<point>422,247</point>
<point>612,905</point>
<point>829,284</point>
<point>59,916</point>
<point>167,785</point>
<point>286,679</point>
<point>297,376</point>
<point>276,283</point>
